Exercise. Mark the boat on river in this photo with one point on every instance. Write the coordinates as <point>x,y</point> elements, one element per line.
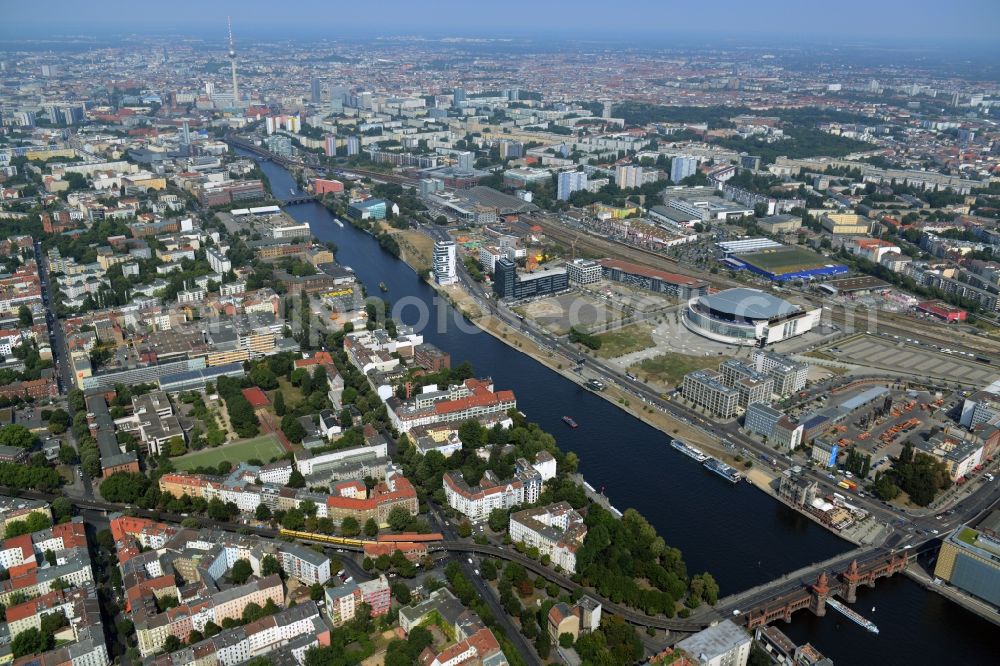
<point>688,450</point>
<point>853,616</point>
<point>727,472</point>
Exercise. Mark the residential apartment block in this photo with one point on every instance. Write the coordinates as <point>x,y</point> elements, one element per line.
<point>557,530</point>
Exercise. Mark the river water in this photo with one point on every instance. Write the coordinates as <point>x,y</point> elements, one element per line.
<point>739,534</point>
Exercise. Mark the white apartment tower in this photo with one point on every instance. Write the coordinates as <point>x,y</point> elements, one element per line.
<point>445,271</point>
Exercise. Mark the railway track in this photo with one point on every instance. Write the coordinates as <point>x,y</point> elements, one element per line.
<point>892,324</point>
<point>607,248</point>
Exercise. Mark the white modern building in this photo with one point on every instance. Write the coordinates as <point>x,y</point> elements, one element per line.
<point>584,271</point>
<point>445,270</point>
<point>748,317</point>
<point>218,261</point>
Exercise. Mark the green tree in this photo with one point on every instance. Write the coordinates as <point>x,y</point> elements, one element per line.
<point>17,435</point>
<point>279,404</point>
<point>371,527</point>
<point>296,480</point>
<point>68,455</point>
<point>270,566</point>
<point>498,520</point>
<point>401,593</point>
<point>53,622</point>
<point>565,641</point>
<point>293,519</point>
<point>176,446</point>
<point>195,637</point>
<point>33,522</point>
<point>316,592</point>
<point>349,527</point>
<point>31,641</point>
<point>59,421</point>
<point>398,518</point>
<point>172,644</point>
<point>464,529</point>
<point>62,509</point>
<point>262,512</point>
<point>24,317</point>
<point>241,571</point>
<point>262,376</point>
<point>124,487</point>
<point>293,430</point>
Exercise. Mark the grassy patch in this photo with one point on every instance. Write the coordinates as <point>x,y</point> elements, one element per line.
<point>418,249</point>
<point>263,448</point>
<point>626,339</point>
<point>669,369</point>
<point>968,535</point>
<point>293,394</point>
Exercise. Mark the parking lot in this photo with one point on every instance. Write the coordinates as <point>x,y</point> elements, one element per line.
<point>899,356</point>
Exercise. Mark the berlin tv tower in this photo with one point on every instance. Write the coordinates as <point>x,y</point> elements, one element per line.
<point>232,65</point>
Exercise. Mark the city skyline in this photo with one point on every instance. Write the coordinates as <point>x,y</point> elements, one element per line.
<point>968,23</point>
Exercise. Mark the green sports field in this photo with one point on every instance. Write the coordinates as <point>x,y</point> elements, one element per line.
<point>785,260</point>
<point>263,448</point>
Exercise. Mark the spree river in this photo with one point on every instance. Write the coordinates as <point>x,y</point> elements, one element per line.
<point>736,532</point>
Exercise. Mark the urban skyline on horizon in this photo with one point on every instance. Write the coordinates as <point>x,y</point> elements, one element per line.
<point>972,23</point>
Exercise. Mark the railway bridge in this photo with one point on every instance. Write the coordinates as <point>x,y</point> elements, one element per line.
<point>814,595</point>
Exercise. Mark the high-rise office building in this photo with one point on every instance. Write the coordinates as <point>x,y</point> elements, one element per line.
<point>458,96</point>
<point>513,94</point>
<point>353,145</point>
<point>569,182</point>
<point>330,147</point>
<point>682,166</point>
<point>338,96</point>
<point>316,91</point>
<point>465,162</point>
<point>628,176</point>
<point>606,109</point>
<point>445,271</point>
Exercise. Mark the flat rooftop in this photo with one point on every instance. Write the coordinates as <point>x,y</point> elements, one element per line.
<point>749,303</point>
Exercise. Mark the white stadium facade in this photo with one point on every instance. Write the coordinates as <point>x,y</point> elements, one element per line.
<point>748,317</point>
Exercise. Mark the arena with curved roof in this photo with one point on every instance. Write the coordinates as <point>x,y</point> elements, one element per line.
<point>745,316</point>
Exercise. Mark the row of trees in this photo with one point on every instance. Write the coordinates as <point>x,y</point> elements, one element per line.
<point>29,477</point>
<point>241,413</point>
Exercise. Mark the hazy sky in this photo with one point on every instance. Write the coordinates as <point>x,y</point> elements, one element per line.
<point>873,20</point>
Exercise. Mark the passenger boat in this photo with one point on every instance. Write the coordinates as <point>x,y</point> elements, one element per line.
<point>688,450</point>
<point>722,469</point>
<point>381,285</point>
<point>851,615</point>
<point>570,422</point>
